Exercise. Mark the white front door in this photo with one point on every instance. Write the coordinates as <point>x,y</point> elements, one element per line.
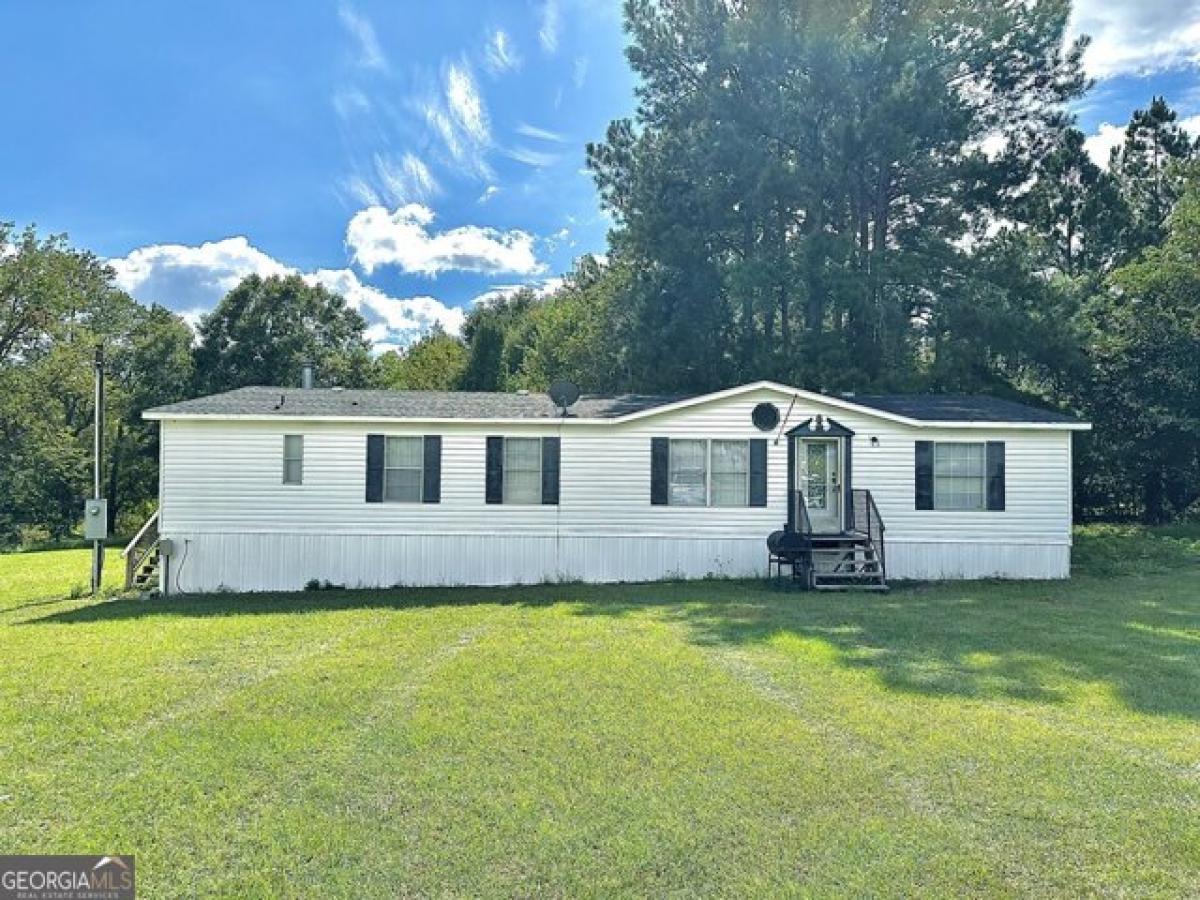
<point>819,476</point>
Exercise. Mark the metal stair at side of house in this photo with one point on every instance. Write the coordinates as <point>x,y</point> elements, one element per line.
<point>847,561</point>
<point>855,559</point>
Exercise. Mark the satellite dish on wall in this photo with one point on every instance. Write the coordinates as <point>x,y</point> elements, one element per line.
<point>765,416</point>
<point>564,394</point>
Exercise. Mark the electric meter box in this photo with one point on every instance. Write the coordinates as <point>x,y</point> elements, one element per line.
<point>95,519</point>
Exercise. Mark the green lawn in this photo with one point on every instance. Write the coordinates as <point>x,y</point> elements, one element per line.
<point>718,738</point>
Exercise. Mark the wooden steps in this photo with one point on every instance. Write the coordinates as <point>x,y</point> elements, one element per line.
<point>145,577</point>
<point>142,559</point>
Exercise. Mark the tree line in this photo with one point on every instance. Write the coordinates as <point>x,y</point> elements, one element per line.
<point>837,194</point>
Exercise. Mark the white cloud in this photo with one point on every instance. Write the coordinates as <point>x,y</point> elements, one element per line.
<point>193,279</point>
<point>551,26</point>
<point>530,157</point>
<point>183,277</point>
<point>370,54</point>
<point>191,318</point>
<point>500,55</point>
<point>351,102</point>
<point>540,134</point>
<point>459,117</point>
<point>488,193</point>
<point>465,103</point>
<point>1137,36</point>
<point>377,333</point>
<point>992,145</point>
<point>360,190</point>
<point>1108,136</point>
<point>406,180</point>
<point>579,72</point>
<point>498,292</point>
<point>402,238</point>
<point>1100,144</point>
<point>400,319</point>
<point>558,239</point>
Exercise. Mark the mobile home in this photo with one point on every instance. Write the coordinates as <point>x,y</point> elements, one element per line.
<point>270,489</point>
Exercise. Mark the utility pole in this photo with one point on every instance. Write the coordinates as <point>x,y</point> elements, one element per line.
<point>97,530</point>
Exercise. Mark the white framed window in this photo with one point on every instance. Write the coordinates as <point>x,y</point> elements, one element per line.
<point>523,470</point>
<point>959,477</point>
<point>730,473</point>
<point>293,459</point>
<point>403,469</point>
<point>705,472</point>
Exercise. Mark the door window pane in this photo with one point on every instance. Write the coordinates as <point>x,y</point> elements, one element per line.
<point>523,470</point>
<point>816,457</point>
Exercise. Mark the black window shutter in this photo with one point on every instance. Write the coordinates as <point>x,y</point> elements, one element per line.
<point>494,488</point>
<point>995,475</point>
<point>758,472</point>
<point>660,461</point>
<point>551,451</point>
<point>924,475</point>
<point>374,468</point>
<point>791,481</point>
<point>431,490</point>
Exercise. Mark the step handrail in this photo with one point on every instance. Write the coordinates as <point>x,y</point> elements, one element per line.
<point>873,527</point>
<point>141,534</point>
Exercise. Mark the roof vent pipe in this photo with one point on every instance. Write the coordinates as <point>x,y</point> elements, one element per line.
<point>306,376</point>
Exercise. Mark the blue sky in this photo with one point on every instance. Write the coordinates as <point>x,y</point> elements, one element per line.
<point>414,156</point>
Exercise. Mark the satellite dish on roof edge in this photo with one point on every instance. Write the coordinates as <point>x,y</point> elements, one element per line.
<point>564,394</point>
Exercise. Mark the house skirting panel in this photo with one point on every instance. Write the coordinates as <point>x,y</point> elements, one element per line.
<point>949,560</point>
<point>287,562</point>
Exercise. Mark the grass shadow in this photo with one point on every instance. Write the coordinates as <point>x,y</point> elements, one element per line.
<point>1032,641</point>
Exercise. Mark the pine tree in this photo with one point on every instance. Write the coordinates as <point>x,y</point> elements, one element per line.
<point>794,191</point>
<point>1147,166</point>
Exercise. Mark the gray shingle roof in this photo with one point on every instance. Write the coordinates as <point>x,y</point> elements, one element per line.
<point>275,401</point>
<point>317,402</point>
<point>959,408</point>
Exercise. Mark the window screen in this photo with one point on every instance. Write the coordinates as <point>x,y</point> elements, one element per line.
<point>293,459</point>
<point>403,464</point>
<point>730,473</point>
<point>959,477</point>
<point>522,470</point>
<point>689,473</point>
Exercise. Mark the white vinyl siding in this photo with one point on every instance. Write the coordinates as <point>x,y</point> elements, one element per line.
<point>293,459</point>
<point>959,477</point>
<point>220,489</point>
<point>522,470</point>
<point>403,469</point>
